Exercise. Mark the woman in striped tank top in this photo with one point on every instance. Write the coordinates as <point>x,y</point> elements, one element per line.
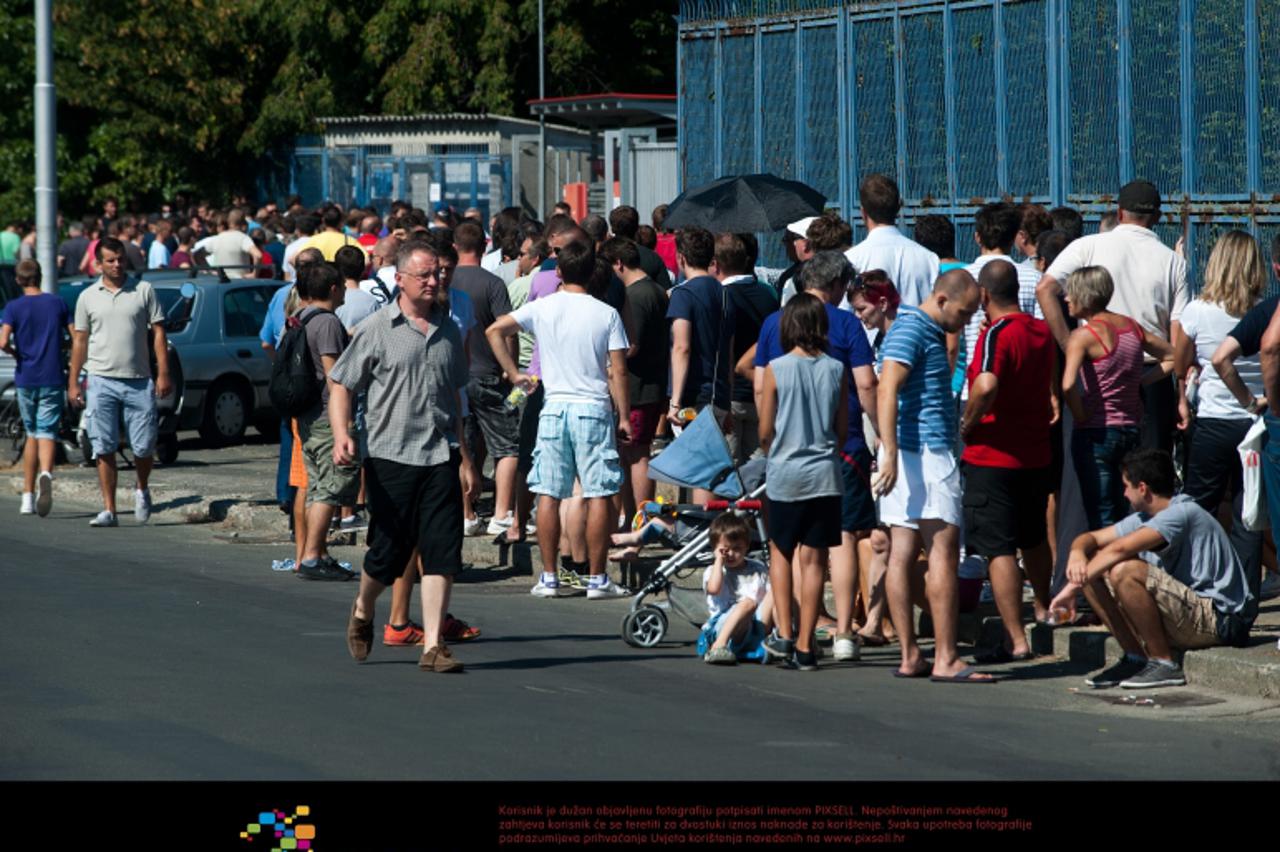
<point>1104,371</point>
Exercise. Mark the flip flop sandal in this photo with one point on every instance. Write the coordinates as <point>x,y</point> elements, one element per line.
<point>924,672</point>
<point>872,641</point>
<point>966,675</point>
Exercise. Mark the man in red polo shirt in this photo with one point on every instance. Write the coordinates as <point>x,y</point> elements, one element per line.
<point>1006,460</point>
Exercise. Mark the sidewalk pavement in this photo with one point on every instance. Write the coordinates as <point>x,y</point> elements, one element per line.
<point>179,497</point>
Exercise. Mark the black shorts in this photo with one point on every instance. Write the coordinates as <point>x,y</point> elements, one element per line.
<point>487,397</point>
<point>857,507</point>
<point>529,431</point>
<point>813,523</point>
<point>1004,509</point>
<point>413,506</point>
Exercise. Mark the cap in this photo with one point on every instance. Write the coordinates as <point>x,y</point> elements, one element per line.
<point>801,227</point>
<point>1140,196</point>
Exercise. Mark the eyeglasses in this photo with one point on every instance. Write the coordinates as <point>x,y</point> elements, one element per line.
<point>421,276</point>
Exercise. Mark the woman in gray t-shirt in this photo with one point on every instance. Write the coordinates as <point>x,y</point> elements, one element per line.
<point>803,421</point>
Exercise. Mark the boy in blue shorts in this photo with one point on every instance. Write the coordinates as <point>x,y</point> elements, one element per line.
<point>738,596</point>
<point>583,349</point>
<point>31,331</point>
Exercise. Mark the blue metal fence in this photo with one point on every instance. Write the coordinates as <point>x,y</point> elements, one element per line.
<point>968,101</point>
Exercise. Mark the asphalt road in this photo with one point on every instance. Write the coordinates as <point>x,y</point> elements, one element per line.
<point>166,653</point>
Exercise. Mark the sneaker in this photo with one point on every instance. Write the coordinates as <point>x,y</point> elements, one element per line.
<point>802,662</point>
<point>846,648</point>
<point>1113,676</point>
<point>439,660</point>
<point>410,634</point>
<point>1270,587</point>
<point>353,524</point>
<point>720,657</point>
<point>105,519</point>
<point>1156,673</point>
<point>607,589</point>
<point>571,578</point>
<point>142,505</point>
<point>359,635</point>
<point>475,526</point>
<point>28,504</point>
<point>457,630</point>
<point>324,568</point>
<point>554,589</point>
<point>44,493</point>
<point>497,526</point>
<point>779,648</point>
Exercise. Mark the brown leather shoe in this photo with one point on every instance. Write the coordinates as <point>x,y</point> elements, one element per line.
<point>438,659</point>
<point>359,636</point>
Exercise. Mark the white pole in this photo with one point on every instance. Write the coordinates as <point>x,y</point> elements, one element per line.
<point>46,141</point>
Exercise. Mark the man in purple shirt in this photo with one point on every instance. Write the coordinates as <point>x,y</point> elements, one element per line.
<point>31,331</point>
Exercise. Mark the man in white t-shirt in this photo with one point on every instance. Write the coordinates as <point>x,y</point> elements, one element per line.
<point>1150,287</point>
<point>231,248</point>
<point>583,349</point>
<point>910,266</point>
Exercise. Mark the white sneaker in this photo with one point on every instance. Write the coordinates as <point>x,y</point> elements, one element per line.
<point>104,519</point>
<point>142,505</point>
<point>44,493</point>
<point>543,589</point>
<point>28,504</point>
<point>497,526</point>
<point>607,589</point>
<point>472,527</point>
<point>846,649</point>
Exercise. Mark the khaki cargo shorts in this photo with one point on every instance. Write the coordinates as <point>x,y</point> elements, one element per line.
<point>1190,621</point>
<point>327,482</point>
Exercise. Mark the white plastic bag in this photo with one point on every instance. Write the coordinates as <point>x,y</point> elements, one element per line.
<point>1253,509</point>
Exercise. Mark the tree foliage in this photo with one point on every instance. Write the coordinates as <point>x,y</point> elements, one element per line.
<point>157,96</point>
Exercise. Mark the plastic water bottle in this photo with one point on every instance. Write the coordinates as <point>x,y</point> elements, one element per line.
<point>520,395</point>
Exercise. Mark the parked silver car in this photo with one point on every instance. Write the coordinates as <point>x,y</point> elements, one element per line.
<point>214,326</point>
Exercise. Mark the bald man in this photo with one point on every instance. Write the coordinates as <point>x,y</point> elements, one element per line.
<point>383,258</point>
<point>919,477</point>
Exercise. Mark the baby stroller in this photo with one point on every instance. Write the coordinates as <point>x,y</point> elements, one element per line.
<point>698,458</point>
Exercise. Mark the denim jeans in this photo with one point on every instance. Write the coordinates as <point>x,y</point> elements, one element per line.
<point>1097,454</point>
<point>284,491</point>
<point>1271,471</point>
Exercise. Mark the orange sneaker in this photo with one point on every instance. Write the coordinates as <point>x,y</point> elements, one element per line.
<point>457,630</point>
<point>410,634</point>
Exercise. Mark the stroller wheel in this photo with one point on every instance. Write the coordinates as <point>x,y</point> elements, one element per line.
<point>645,627</point>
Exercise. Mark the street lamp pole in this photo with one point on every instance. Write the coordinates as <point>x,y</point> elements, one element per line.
<point>46,144</point>
<point>542,120</point>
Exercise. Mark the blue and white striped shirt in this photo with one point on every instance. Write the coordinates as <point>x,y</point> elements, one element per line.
<point>926,405</point>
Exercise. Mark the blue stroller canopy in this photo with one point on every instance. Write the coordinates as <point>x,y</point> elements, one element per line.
<point>699,458</point>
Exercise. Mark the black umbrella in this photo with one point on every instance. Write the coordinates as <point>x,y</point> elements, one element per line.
<point>744,205</point>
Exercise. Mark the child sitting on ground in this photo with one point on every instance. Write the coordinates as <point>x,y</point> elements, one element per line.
<point>738,596</point>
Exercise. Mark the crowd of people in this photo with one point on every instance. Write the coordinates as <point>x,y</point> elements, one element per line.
<point>914,411</point>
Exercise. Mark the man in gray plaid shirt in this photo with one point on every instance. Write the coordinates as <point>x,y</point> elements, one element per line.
<point>409,358</point>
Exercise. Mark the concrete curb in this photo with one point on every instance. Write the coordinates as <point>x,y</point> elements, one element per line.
<point>1252,672</point>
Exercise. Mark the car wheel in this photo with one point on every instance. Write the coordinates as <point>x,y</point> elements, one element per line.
<point>13,438</point>
<point>167,449</point>
<point>226,415</point>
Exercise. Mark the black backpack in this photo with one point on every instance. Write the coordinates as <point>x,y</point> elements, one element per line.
<point>293,388</point>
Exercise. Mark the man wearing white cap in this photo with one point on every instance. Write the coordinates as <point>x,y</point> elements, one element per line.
<point>795,240</point>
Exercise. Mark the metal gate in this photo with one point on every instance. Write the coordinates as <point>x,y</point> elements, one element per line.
<point>1053,101</point>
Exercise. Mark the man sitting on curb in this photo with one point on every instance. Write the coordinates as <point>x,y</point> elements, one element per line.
<point>1165,577</point>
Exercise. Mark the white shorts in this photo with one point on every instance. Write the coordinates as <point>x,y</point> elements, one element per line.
<point>928,489</point>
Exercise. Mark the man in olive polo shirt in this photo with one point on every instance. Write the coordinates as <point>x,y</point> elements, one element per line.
<point>113,319</point>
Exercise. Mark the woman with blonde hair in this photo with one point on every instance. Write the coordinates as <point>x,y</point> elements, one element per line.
<point>1233,282</point>
<point>1101,382</point>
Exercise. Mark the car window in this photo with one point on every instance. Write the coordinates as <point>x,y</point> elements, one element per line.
<point>244,309</point>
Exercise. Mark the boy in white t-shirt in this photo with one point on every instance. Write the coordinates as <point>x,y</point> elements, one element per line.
<point>738,596</point>
<point>583,357</point>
